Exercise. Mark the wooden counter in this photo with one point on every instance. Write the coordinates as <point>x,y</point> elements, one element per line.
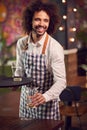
<point>13,123</point>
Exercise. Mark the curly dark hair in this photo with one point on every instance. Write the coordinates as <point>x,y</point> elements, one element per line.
<point>49,7</point>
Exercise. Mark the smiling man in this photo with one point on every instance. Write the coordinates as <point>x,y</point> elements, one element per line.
<point>41,57</point>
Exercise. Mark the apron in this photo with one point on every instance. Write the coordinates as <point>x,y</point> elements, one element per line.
<point>35,67</point>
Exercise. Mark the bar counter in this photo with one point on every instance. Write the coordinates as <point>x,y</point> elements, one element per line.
<point>14,123</point>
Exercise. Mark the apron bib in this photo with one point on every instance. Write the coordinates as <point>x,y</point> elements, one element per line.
<point>35,67</point>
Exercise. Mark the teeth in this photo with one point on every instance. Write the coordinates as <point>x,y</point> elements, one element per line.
<point>41,29</point>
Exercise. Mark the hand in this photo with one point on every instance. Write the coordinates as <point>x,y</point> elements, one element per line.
<point>37,99</point>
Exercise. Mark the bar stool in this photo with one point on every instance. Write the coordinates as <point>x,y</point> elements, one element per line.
<point>70,97</point>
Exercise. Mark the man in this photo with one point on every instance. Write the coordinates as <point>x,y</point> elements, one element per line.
<point>41,57</point>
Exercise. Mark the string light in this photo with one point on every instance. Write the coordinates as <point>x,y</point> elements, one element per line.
<point>64,17</point>
<point>63,1</point>
<point>73,29</point>
<point>74,10</point>
<point>71,39</point>
<point>61,28</point>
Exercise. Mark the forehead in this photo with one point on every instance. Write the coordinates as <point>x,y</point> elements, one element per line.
<point>41,13</point>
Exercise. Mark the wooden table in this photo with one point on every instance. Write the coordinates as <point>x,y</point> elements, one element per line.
<point>13,123</point>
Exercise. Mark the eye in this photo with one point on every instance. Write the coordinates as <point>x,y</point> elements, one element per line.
<point>46,20</point>
<point>37,19</point>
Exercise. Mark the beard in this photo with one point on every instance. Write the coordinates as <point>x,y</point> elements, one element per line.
<point>39,30</point>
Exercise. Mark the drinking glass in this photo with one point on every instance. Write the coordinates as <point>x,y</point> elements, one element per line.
<point>31,92</point>
<point>14,68</point>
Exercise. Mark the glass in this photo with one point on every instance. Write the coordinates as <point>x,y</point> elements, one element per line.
<point>14,69</point>
<point>31,92</point>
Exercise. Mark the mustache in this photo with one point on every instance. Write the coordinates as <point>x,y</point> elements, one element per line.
<point>39,26</point>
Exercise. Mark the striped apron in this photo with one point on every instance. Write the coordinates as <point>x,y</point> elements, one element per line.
<point>35,67</point>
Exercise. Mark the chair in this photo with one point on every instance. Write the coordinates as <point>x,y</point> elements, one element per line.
<point>70,97</point>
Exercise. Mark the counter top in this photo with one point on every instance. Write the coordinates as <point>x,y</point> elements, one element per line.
<point>13,123</point>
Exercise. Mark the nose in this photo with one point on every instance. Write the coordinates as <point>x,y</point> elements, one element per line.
<point>41,23</point>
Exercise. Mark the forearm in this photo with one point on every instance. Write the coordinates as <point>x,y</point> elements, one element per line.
<point>55,90</point>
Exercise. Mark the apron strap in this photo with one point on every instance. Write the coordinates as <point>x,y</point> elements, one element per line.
<point>45,43</point>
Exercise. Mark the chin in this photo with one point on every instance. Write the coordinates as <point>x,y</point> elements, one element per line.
<point>40,34</point>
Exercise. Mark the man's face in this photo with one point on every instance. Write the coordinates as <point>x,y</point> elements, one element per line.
<point>40,22</point>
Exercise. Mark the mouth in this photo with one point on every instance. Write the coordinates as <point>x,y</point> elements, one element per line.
<point>40,29</point>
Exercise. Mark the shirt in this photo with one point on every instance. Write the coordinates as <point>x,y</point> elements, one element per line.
<point>54,62</point>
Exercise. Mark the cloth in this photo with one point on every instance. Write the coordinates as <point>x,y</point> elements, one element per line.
<point>54,62</point>
<point>35,67</point>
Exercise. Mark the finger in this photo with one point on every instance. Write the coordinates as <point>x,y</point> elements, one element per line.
<point>38,99</point>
